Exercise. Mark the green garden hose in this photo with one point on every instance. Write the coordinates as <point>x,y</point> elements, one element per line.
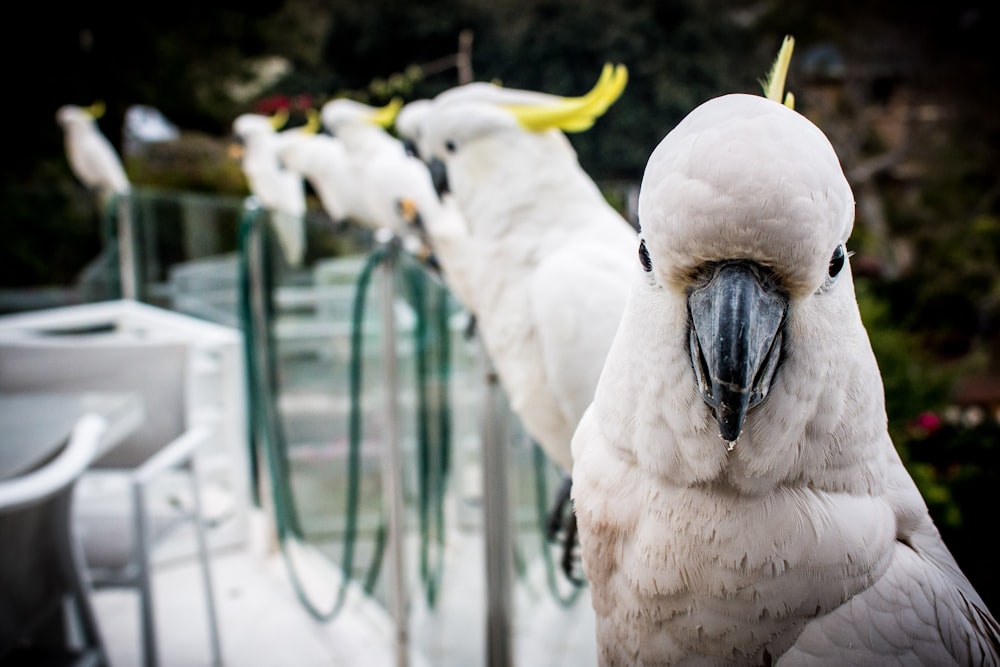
<point>432,338</point>
<point>432,352</point>
<point>256,309</point>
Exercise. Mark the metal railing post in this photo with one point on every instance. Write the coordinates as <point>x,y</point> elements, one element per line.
<point>392,464</point>
<point>127,265</point>
<point>496,511</point>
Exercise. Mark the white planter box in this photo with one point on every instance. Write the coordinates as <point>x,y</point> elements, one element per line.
<point>217,387</point>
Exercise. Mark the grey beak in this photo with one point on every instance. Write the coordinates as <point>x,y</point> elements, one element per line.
<point>735,340</point>
<point>439,175</point>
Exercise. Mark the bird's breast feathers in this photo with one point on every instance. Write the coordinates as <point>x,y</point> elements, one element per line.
<point>715,572</point>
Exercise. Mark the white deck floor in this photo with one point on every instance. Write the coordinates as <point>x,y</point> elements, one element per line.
<point>263,624</point>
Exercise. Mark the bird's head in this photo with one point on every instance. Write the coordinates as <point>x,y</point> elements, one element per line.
<point>745,210</point>
<point>248,127</point>
<point>341,113</point>
<point>408,124</point>
<point>70,115</point>
<point>469,114</point>
<point>254,124</point>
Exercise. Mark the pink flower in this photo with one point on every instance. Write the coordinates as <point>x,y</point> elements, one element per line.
<point>928,422</point>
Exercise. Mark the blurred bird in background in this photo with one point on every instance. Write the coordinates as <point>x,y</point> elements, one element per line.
<point>91,157</point>
<point>545,262</point>
<point>96,164</point>
<point>324,162</point>
<point>393,184</point>
<point>279,190</point>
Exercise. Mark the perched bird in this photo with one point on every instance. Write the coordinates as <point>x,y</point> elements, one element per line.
<point>545,259</point>
<point>325,163</point>
<point>279,190</point>
<point>91,156</point>
<point>738,496</point>
<point>392,183</point>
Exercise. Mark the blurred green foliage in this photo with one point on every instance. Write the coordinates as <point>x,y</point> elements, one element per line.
<point>954,461</point>
<point>195,162</point>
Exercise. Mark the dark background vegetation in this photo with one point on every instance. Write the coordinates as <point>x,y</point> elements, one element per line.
<point>907,92</point>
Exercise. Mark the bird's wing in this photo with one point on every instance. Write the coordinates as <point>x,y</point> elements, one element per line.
<point>294,193</point>
<point>379,174</point>
<point>96,163</point>
<point>281,191</point>
<point>288,217</point>
<point>915,613</point>
<point>923,607</point>
<point>291,232</point>
<point>323,162</point>
<point>456,250</point>
<point>277,188</point>
<point>576,296</point>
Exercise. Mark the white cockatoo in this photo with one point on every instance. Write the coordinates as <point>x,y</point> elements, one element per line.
<point>385,172</point>
<point>92,158</point>
<point>738,497</point>
<point>325,163</point>
<point>279,190</point>
<point>546,259</point>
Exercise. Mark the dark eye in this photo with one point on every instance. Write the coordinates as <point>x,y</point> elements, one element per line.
<point>647,264</point>
<point>449,146</point>
<point>837,261</point>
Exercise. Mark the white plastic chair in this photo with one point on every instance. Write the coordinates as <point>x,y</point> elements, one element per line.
<point>41,561</point>
<point>38,485</point>
<point>118,546</point>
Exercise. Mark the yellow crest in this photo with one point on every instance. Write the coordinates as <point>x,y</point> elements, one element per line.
<point>774,86</point>
<point>313,123</point>
<point>384,116</point>
<point>574,114</point>
<point>95,110</point>
<point>279,119</point>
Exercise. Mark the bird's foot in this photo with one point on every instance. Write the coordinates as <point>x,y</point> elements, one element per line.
<point>561,529</point>
<point>470,327</point>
